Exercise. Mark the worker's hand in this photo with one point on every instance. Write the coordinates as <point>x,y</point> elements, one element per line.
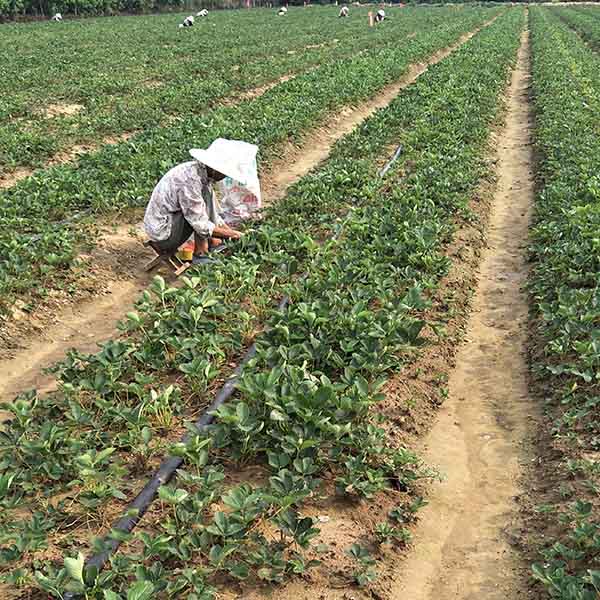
<point>227,233</point>
<point>234,235</point>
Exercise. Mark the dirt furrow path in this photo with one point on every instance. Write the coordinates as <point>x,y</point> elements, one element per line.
<point>481,440</point>
<point>72,153</point>
<point>85,324</point>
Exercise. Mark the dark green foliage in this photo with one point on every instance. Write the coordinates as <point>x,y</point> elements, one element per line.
<point>565,288</point>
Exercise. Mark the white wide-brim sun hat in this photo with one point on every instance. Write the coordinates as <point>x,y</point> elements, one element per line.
<point>233,158</point>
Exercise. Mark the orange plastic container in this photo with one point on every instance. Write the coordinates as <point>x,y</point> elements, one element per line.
<point>186,252</point>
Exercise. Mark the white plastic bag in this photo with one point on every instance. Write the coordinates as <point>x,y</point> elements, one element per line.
<point>238,201</point>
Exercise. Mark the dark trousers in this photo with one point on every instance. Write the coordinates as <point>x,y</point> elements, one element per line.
<point>180,232</point>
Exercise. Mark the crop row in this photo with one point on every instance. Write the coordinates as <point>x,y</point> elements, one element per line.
<point>161,72</point>
<point>566,294</point>
<point>150,46</point>
<point>123,175</point>
<point>303,412</point>
<point>584,23</point>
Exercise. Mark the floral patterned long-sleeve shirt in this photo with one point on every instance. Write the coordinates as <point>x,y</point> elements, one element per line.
<point>186,189</point>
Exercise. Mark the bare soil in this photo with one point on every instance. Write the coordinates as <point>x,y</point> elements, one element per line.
<point>467,542</point>
<point>9,179</point>
<point>76,327</point>
<point>321,45</point>
<point>62,109</point>
<point>255,92</point>
<point>154,84</point>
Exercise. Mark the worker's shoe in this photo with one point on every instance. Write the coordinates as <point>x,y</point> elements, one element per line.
<point>201,259</point>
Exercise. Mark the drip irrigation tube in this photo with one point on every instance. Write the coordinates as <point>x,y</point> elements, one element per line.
<point>136,509</point>
<point>165,472</point>
<point>37,236</point>
<point>392,160</point>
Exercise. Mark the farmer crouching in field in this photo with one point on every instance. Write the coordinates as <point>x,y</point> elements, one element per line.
<point>184,200</point>
<point>187,22</point>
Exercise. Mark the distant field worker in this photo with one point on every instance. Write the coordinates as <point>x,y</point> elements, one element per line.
<point>184,203</point>
<point>380,16</point>
<point>282,11</point>
<point>188,22</point>
<point>57,17</point>
<point>202,13</point>
<point>344,11</point>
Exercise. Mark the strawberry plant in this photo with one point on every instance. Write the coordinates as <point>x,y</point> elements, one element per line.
<point>564,288</point>
<point>365,571</point>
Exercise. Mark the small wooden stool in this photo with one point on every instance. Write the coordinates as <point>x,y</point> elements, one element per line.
<point>170,259</point>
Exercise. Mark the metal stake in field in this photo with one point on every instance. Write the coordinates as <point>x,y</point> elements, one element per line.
<point>370,18</point>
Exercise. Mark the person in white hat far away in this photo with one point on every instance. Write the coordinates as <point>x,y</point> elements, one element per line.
<point>380,16</point>
<point>187,22</point>
<point>57,17</point>
<point>183,202</point>
<point>344,11</point>
<point>282,11</point>
<point>202,13</point>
